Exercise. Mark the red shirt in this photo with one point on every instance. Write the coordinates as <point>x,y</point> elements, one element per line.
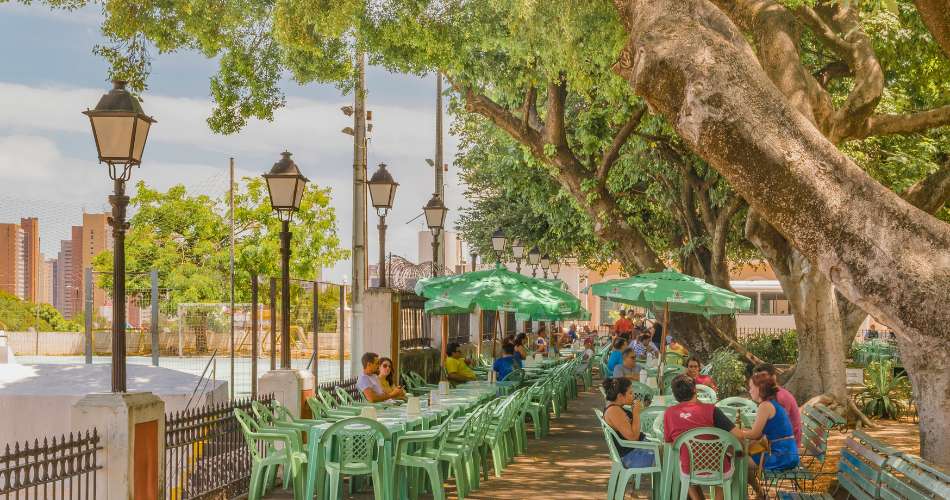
<point>707,381</point>
<point>787,400</point>
<point>683,417</point>
<point>623,325</point>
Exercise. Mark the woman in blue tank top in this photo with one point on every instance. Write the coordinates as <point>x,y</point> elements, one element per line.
<point>771,421</point>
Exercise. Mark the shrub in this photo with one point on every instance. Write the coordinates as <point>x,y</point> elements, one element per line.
<point>781,349</point>
<point>885,394</point>
<point>728,371</point>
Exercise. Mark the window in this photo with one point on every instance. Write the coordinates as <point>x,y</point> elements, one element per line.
<point>754,306</point>
<point>609,311</point>
<point>774,303</point>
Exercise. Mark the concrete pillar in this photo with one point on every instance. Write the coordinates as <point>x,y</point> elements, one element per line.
<point>291,387</point>
<point>131,427</point>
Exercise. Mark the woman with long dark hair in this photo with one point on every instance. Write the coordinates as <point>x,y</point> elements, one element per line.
<point>619,392</point>
<point>387,379</point>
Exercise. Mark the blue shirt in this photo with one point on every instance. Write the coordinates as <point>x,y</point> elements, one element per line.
<point>504,365</point>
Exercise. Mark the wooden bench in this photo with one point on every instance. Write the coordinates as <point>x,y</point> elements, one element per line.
<point>871,470</point>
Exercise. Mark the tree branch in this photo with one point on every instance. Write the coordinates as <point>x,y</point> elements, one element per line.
<point>906,124</point>
<point>554,130</point>
<point>932,192</point>
<point>831,72</point>
<point>530,109</point>
<point>613,153</point>
<point>936,17</point>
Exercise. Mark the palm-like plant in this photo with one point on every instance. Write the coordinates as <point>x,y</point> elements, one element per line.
<point>885,395</point>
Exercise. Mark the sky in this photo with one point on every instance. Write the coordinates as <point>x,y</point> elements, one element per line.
<point>48,164</point>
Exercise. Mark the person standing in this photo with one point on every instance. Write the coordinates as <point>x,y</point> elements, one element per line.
<point>623,326</point>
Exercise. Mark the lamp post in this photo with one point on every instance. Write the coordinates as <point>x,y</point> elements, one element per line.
<point>545,264</point>
<point>286,186</point>
<point>498,242</point>
<point>517,251</point>
<point>120,129</point>
<point>382,191</point>
<point>534,257</point>
<point>555,268</point>
<point>435,218</point>
<point>474,256</point>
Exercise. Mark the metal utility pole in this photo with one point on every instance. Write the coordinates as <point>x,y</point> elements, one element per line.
<point>231,213</point>
<point>438,257</point>
<point>359,212</point>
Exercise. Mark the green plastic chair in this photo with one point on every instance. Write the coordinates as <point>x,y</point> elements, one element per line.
<point>264,464</point>
<point>673,359</point>
<point>619,475</point>
<point>734,403</point>
<point>497,437</point>
<point>320,410</point>
<point>647,417</point>
<point>354,447</point>
<point>456,452</point>
<point>537,408</point>
<point>642,391</point>
<point>708,449</point>
<point>706,394</point>
<point>512,381</point>
<point>422,451</point>
<point>279,416</point>
<point>326,398</point>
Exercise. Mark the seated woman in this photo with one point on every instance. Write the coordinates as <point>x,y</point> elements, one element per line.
<point>693,366</point>
<point>521,352</point>
<point>387,377</point>
<point>771,421</point>
<point>625,422</point>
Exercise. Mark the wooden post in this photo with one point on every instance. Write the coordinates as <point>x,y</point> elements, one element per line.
<point>478,336</point>
<point>445,341</point>
<point>659,371</point>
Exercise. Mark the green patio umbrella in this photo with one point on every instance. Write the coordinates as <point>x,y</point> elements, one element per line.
<point>672,291</point>
<point>496,289</point>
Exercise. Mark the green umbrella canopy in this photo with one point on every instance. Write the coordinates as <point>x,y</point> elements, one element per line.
<point>495,290</point>
<point>580,315</point>
<point>683,293</point>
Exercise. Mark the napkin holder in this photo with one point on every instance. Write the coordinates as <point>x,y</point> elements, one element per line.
<point>412,405</point>
<point>444,388</point>
<point>368,412</point>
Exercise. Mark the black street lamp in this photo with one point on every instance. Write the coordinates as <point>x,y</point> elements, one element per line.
<point>435,218</point>
<point>545,264</point>
<point>382,192</point>
<point>534,257</point>
<point>120,129</point>
<point>517,251</point>
<point>286,186</point>
<point>474,256</point>
<point>555,268</point>
<point>498,242</point>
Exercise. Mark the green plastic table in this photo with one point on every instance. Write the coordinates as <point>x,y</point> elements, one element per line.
<point>397,420</point>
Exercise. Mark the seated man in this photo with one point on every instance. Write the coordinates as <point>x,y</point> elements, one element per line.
<point>674,346</point>
<point>643,345</point>
<point>690,414</point>
<point>368,381</point>
<point>456,366</point>
<point>507,363</point>
<point>627,368</point>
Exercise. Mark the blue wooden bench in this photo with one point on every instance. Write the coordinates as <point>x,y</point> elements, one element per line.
<point>871,470</point>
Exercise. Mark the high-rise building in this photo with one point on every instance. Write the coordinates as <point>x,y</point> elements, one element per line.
<point>45,281</point>
<point>96,238</point>
<point>56,272</point>
<point>32,259</point>
<point>11,260</point>
<point>71,275</point>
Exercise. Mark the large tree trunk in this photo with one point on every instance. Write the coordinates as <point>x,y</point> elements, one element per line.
<point>820,367</point>
<point>692,65</point>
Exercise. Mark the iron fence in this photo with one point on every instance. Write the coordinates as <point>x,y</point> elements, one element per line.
<point>760,332</point>
<point>349,385</point>
<point>56,469</point>
<point>414,326</point>
<point>205,452</point>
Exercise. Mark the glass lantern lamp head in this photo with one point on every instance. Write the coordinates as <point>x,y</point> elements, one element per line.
<point>517,250</point>
<point>498,242</point>
<point>534,256</point>
<point>435,212</point>
<point>382,190</point>
<point>555,267</point>
<point>120,129</point>
<point>545,262</point>
<point>286,186</point>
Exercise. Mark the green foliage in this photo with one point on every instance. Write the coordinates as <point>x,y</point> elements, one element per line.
<point>885,394</point>
<point>20,315</point>
<point>779,349</point>
<point>728,371</point>
<point>186,238</point>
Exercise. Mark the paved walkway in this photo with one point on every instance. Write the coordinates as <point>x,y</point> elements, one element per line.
<point>570,463</point>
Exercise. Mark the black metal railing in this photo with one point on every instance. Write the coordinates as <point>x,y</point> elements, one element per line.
<point>57,468</point>
<point>205,452</point>
<point>414,327</point>
<point>349,385</point>
<point>758,332</point>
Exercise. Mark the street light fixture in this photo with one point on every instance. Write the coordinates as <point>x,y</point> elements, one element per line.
<point>555,268</point>
<point>286,186</point>
<point>498,242</point>
<point>435,212</point>
<point>382,192</point>
<point>120,129</point>
<point>517,251</point>
<point>534,257</point>
<point>545,264</point>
